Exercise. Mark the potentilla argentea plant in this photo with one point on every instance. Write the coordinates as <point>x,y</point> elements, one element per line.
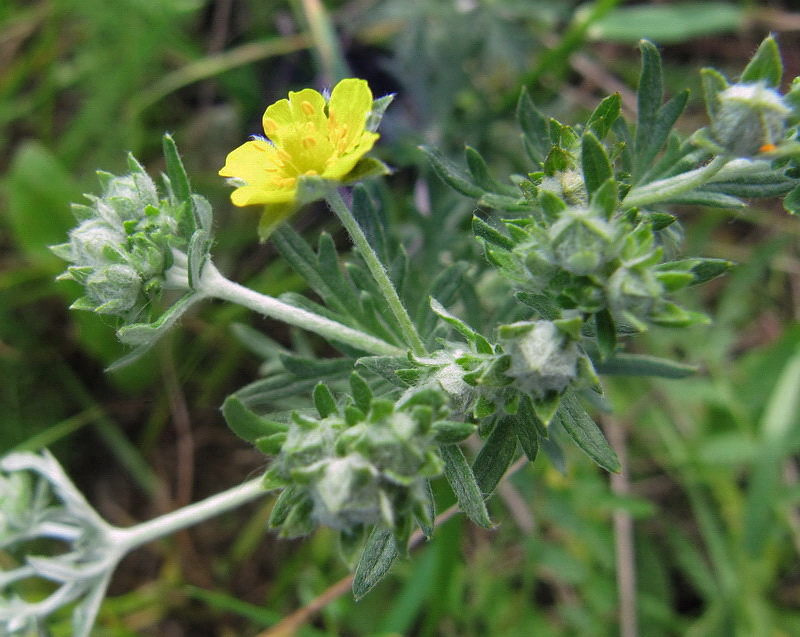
<point>586,239</point>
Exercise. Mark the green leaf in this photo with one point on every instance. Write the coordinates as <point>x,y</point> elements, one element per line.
<point>528,428</point>
<point>496,455</point>
<point>595,163</point>
<point>534,126</point>
<point>178,179</point>
<point>451,174</point>
<point>791,203</point>
<point>316,368</point>
<point>659,131</point>
<point>604,116</point>
<point>642,365</point>
<point>765,66</point>
<point>586,434</point>
<point>479,172</point>
<point>606,333</point>
<point>246,424</point>
<point>38,190</point>
<point>481,344</point>
<point>671,23</point>
<point>464,485</point>
<point>148,333</point>
<point>377,558</point>
<point>445,288</point>
<point>490,234</point>
<point>650,94</point>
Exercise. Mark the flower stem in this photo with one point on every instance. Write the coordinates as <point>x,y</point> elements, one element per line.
<point>128,539</point>
<point>665,189</point>
<point>213,284</point>
<point>378,272</point>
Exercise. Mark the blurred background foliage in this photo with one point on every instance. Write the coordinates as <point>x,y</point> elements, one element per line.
<point>712,488</point>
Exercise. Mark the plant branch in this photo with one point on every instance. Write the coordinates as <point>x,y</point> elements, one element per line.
<point>214,284</point>
<point>378,272</point>
<point>666,189</point>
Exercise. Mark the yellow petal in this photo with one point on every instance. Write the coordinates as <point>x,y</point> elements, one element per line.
<point>340,165</point>
<point>250,162</point>
<point>351,103</point>
<point>302,106</point>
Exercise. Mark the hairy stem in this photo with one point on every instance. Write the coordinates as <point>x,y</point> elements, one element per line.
<point>665,189</point>
<point>378,272</point>
<point>128,539</point>
<point>215,285</point>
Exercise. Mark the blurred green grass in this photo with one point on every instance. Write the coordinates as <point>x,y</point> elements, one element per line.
<point>713,478</point>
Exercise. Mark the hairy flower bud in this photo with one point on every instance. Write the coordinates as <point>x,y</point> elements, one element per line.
<point>543,358</point>
<point>750,119</point>
<point>124,243</point>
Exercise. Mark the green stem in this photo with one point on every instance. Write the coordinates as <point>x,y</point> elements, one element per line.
<point>665,189</point>
<point>125,540</point>
<point>213,284</point>
<point>378,272</point>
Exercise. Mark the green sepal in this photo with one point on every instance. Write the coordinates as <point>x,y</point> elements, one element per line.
<point>558,160</point>
<point>606,198</point>
<point>324,401</point>
<point>448,432</point>
<point>464,485</point>
<point>604,116</point>
<point>178,179</point>
<point>271,445</point>
<point>362,394</point>
<point>765,66</point>
<point>714,83</point>
<point>594,162</point>
<point>245,423</point>
<point>547,407</point>
<point>272,216</point>
<point>483,407</point>
<point>365,168</point>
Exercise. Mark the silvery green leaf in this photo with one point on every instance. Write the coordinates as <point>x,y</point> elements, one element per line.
<point>377,558</point>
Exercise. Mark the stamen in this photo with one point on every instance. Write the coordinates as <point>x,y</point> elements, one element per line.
<point>309,142</point>
<point>270,126</point>
<point>284,182</point>
<point>308,107</point>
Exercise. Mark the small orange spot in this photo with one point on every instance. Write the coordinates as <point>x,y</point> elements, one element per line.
<point>308,107</point>
<point>767,148</point>
<point>309,142</point>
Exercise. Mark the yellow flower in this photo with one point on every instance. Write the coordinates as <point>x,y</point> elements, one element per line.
<point>308,137</point>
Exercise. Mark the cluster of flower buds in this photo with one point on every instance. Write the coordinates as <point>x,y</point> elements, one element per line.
<point>360,464</point>
<point>589,259</point>
<point>539,360</point>
<point>126,239</point>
